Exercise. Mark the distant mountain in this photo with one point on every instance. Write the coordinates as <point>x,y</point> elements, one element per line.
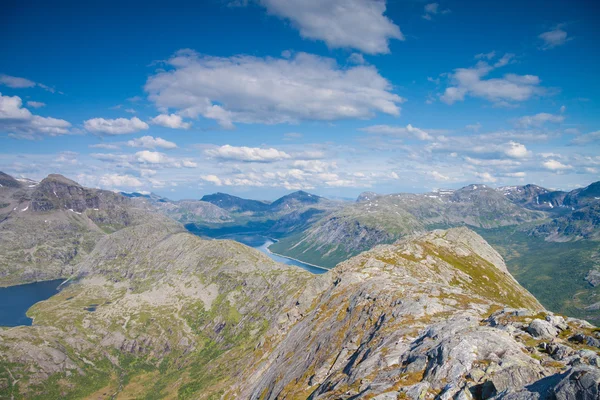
<point>582,223</point>
<point>48,226</point>
<point>378,219</point>
<point>295,200</point>
<point>366,196</point>
<point>583,197</point>
<point>236,204</point>
<point>8,181</point>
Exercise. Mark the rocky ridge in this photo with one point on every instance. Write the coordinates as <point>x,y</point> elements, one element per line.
<point>436,315</point>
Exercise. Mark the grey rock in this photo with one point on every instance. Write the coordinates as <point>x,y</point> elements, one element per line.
<point>540,329</point>
<point>581,383</point>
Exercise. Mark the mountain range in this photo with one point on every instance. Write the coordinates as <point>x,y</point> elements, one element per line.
<point>153,311</point>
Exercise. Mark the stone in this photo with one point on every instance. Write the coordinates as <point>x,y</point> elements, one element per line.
<point>541,329</point>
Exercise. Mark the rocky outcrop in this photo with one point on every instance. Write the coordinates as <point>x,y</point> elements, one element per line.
<point>412,320</point>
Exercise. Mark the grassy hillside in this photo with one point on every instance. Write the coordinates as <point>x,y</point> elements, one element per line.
<point>554,272</point>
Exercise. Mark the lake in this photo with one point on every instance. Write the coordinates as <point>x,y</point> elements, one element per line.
<point>16,300</point>
<point>262,244</point>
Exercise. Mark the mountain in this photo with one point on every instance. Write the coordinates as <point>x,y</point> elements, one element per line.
<point>8,181</point>
<point>583,223</point>
<point>236,204</point>
<point>582,197</point>
<point>295,200</point>
<point>534,197</point>
<point>48,227</point>
<point>155,312</point>
<point>380,219</point>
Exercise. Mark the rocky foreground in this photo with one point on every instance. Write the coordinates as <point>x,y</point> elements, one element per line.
<point>155,312</point>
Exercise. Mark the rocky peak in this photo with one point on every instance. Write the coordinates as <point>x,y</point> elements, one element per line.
<point>366,196</point>
<point>8,181</point>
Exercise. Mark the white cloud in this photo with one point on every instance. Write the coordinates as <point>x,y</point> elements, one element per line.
<point>247,154</point>
<point>270,90</point>
<point>106,146</point>
<point>439,177</point>
<point>516,174</point>
<point>501,91</point>
<point>408,130</point>
<point>16,82</point>
<point>486,177</point>
<point>315,166</point>
<point>152,157</point>
<point>212,179</point>
<point>554,165</point>
<point>587,138</point>
<point>150,142</point>
<point>36,104</point>
<point>119,181</point>
<point>19,122</point>
<point>356,58</point>
<point>119,126</point>
<point>189,164</point>
<point>554,38</point>
<point>172,121</point>
<point>130,110</point>
<point>539,119</point>
<point>432,9</point>
<point>358,24</point>
<point>516,150</point>
<point>488,56</point>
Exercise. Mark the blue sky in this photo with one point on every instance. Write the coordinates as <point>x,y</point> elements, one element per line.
<point>261,97</point>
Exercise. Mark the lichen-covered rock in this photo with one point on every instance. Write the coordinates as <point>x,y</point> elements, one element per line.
<point>540,329</point>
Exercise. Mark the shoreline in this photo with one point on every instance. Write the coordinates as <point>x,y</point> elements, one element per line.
<point>224,237</point>
<point>291,258</point>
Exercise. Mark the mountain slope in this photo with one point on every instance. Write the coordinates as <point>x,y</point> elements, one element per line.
<point>412,320</point>
<point>177,316</point>
<point>46,228</point>
<point>383,219</point>
<point>236,204</point>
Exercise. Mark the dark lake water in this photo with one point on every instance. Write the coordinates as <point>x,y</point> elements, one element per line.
<point>16,300</point>
<point>262,244</point>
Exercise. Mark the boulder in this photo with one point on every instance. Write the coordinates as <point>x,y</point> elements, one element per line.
<point>540,329</point>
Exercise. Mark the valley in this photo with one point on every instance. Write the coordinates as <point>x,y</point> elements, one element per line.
<point>154,311</point>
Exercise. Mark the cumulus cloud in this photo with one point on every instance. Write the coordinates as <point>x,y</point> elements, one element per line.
<point>539,119</point>
<point>150,142</point>
<point>407,130</point>
<point>439,177</point>
<point>119,181</point>
<point>554,38</point>
<point>501,91</point>
<point>516,150</point>
<point>247,154</point>
<point>19,122</point>
<point>357,24</point>
<point>152,157</point>
<point>486,177</point>
<point>554,165</point>
<point>172,121</point>
<point>119,126</point>
<point>270,90</point>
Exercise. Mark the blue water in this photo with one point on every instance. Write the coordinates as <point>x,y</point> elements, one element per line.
<point>262,244</point>
<point>16,300</point>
